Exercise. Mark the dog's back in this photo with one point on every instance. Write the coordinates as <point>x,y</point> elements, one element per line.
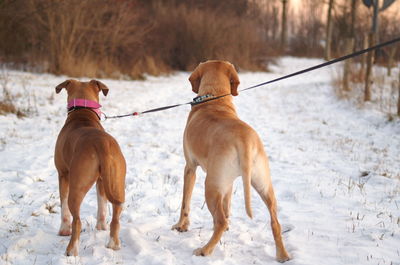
<point>83,145</point>
<point>217,140</point>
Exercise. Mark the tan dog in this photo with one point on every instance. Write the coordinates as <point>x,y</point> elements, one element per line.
<point>86,154</point>
<point>224,147</point>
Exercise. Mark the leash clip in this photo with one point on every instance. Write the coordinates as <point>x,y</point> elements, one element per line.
<point>200,99</point>
<point>103,116</point>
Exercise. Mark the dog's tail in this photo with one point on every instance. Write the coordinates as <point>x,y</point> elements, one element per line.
<point>246,164</point>
<point>114,186</point>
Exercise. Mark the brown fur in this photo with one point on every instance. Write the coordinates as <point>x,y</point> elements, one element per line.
<point>225,147</point>
<point>85,154</point>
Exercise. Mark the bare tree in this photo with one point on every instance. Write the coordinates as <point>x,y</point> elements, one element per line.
<point>349,47</point>
<point>371,55</point>
<point>398,100</point>
<point>275,23</point>
<point>308,30</point>
<point>284,24</point>
<point>353,18</point>
<point>84,36</point>
<point>270,18</point>
<point>327,53</point>
<point>391,56</point>
<point>373,39</point>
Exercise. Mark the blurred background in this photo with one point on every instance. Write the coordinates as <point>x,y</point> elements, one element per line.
<point>128,38</point>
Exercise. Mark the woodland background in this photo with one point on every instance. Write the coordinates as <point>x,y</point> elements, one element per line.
<point>128,38</point>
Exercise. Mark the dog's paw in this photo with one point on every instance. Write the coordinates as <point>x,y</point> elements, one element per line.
<point>114,244</point>
<point>101,226</point>
<point>202,252</point>
<point>229,223</point>
<point>72,250</point>
<point>282,257</point>
<point>181,227</point>
<point>65,230</point>
<point>198,252</point>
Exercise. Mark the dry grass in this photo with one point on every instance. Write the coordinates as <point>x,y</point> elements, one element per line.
<point>186,36</point>
<point>7,108</point>
<point>96,39</point>
<point>8,99</point>
<point>385,89</point>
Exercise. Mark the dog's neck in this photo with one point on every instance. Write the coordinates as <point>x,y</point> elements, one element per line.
<point>202,98</point>
<point>222,102</point>
<point>79,103</point>
<point>214,88</point>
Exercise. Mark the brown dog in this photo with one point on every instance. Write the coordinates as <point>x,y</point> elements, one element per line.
<point>86,154</point>
<point>224,147</point>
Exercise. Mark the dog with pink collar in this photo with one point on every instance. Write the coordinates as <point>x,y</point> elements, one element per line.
<point>85,154</point>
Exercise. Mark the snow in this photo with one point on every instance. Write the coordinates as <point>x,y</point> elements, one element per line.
<point>335,170</point>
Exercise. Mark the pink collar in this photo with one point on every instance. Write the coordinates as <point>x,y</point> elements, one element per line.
<point>84,103</point>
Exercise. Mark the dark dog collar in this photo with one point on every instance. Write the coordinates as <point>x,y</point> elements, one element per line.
<point>201,99</point>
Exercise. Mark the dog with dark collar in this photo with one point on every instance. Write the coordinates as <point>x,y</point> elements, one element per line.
<point>85,154</point>
<point>225,147</point>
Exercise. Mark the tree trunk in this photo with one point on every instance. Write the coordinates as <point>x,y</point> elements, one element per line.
<point>375,24</point>
<point>349,46</point>
<point>275,25</point>
<point>368,76</point>
<point>327,55</point>
<point>391,55</point>
<point>353,18</point>
<point>284,25</point>
<point>398,100</point>
<point>373,38</point>
<point>375,20</point>
<point>365,55</point>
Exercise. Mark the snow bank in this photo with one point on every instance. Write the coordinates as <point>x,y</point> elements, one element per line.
<point>335,170</point>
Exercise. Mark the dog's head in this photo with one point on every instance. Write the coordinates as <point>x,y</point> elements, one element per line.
<point>216,75</point>
<point>85,90</point>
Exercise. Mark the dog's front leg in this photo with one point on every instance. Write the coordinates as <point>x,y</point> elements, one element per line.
<point>189,181</point>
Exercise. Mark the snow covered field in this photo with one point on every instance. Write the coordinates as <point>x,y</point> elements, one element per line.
<point>335,169</point>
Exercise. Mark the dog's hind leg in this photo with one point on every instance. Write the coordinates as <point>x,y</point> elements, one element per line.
<point>266,192</point>
<point>87,175</point>
<point>214,199</point>
<point>74,203</point>
<point>189,181</point>
<point>114,242</point>
<point>227,205</point>
<point>101,206</point>
<point>281,253</point>
<point>65,227</point>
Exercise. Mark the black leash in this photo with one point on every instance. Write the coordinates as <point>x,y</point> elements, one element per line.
<point>354,54</point>
<point>196,101</point>
<point>206,98</point>
<point>143,112</point>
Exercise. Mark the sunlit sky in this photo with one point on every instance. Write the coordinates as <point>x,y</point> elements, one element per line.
<point>394,8</point>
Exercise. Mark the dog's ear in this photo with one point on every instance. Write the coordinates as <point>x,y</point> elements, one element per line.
<point>62,85</point>
<point>102,87</point>
<point>195,79</point>
<point>234,79</point>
